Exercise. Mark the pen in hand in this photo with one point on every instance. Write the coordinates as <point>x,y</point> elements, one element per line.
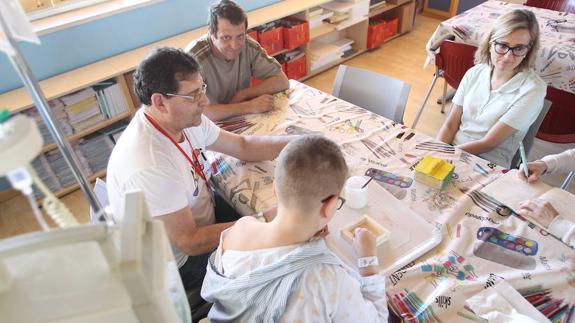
<point>523,159</point>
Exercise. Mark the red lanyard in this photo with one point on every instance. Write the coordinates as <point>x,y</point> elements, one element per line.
<point>195,163</point>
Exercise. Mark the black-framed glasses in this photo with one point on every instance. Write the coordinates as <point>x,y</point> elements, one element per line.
<point>519,50</point>
<point>194,96</point>
<point>341,201</point>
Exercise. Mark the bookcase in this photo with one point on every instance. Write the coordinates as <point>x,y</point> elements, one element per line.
<point>92,119</point>
<point>85,133</point>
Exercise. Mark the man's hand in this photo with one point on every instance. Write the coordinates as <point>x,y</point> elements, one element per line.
<point>538,209</point>
<point>536,169</point>
<point>262,103</point>
<point>239,97</point>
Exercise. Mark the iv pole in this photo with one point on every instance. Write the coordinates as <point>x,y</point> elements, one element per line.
<point>21,66</point>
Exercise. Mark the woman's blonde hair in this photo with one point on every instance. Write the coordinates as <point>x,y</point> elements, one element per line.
<point>505,25</point>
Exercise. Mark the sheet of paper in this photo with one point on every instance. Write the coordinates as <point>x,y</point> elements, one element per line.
<point>509,189</point>
<point>562,201</point>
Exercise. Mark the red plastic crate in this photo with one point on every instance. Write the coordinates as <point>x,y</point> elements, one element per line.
<point>392,27</point>
<point>296,69</point>
<point>272,40</point>
<point>297,34</point>
<point>376,34</point>
<point>253,34</point>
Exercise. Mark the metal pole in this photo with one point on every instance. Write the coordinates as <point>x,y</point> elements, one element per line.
<point>21,66</point>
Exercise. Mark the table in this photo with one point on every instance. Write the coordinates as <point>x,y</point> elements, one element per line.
<point>433,287</point>
<point>555,62</point>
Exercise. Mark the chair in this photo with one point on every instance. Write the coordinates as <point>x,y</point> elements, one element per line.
<point>375,92</point>
<point>199,307</point>
<point>451,63</point>
<point>557,5</point>
<point>559,125</point>
<point>530,135</point>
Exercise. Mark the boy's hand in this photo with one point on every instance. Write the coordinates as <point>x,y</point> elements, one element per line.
<point>536,169</point>
<point>538,209</point>
<point>364,243</point>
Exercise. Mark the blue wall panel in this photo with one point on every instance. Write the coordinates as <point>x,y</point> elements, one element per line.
<point>468,4</point>
<point>442,5</point>
<point>80,45</point>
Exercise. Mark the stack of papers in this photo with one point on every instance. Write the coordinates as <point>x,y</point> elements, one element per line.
<point>322,54</point>
<point>316,16</point>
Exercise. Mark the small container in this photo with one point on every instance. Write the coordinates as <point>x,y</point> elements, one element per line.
<point>380,232</point>
<point>355,194</point>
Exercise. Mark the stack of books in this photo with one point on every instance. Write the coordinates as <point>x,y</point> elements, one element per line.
<point>45,173</point>
<point>62,170</point>
<point>60,116</point>
<point>97,150</point>
<point>111,99</point>
<point>83,109</point>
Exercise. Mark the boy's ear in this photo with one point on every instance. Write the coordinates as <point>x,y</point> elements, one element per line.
<point>328,207</point>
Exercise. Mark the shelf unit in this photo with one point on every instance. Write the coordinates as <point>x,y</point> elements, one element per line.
<point>121,66</point>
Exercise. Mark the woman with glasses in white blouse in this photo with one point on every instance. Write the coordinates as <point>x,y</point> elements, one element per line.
<point>501,96</point>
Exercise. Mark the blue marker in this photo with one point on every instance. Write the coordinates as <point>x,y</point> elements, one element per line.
<point>523,159</point>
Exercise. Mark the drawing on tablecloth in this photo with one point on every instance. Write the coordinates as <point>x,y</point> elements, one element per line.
<point>487,204</point>
<point>296,130</point>
<point>348,127</point>
<point>435,146</point>
<point>437,200</point>
<point>505,249</point>
<point>410,308</point>
<point>439,271</point>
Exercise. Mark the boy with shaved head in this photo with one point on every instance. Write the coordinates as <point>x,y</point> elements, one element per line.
<point>283,270</point>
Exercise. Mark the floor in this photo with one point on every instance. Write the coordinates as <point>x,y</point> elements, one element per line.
<point>403,58</point>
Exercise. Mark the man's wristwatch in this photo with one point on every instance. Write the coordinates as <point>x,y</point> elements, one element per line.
<point>367,262</point>
<point>260,217</point>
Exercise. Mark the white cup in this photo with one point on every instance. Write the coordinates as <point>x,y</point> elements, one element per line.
<point>355,195</point>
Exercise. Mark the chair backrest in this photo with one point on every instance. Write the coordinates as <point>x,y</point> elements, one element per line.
<point>559,125</point>
<point>557,5</point>
<point>454,59</point>
<point>375,92</point>
<point>101,191</point>
<point>530,135</point>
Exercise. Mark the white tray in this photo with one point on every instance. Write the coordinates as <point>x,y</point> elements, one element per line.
<point>411,236</point>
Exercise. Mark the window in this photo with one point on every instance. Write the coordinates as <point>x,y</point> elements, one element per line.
<point>38,9</point>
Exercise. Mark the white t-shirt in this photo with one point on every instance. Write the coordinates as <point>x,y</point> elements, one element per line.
<point>516,103</point>
<point>325,291</point>
<point>146,160</point>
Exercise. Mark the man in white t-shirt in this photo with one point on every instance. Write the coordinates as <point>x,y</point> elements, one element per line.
<point>161,154</point>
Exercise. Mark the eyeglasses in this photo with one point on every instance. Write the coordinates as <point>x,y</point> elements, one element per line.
<point>519,50</point>
<point>340,200</point>
<point>194,96</point>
